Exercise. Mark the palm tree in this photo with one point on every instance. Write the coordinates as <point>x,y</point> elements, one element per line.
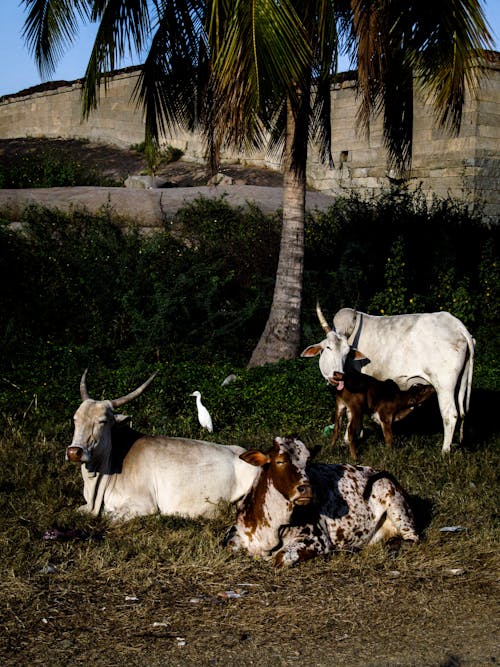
<point>396,45</point>
<point>245,70</point>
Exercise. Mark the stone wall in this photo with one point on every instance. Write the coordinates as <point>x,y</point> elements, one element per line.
<point>466,167</point>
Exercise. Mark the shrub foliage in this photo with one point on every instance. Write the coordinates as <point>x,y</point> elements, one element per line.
<point>190,302</point>
<point>78,290</point>
<point>49,168</point>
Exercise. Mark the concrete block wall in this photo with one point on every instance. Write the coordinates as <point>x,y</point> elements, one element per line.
<point>466,167</point>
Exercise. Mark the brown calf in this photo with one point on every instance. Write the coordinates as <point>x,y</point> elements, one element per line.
<point>361,394</point>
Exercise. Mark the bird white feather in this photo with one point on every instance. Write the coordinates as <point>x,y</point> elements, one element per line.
<point>203,414</point>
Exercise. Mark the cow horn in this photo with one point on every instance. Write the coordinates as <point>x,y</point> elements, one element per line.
<point>83,386</point>
<point>322,318</point>
<point>117,402</point>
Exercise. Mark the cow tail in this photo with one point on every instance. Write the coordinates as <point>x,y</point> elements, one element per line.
<point>383,474</point>
<point>471,343</point>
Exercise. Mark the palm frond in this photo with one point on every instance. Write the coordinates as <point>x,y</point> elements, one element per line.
<point>448,39</point>
<point>260,53</point>
<point>123,28</point>
<point>172,83</point>
<point>50,27</point>
<point>434,44</point>
<point>325,50</point>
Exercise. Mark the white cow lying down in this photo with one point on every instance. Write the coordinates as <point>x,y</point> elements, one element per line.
<point>127,474</point>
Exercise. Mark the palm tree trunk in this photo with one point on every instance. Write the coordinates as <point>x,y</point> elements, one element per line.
<point>281,336</point>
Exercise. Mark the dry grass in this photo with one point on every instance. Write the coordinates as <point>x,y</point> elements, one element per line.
<point>152,592</point>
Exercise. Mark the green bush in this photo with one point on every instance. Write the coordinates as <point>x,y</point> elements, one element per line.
<point>79,290</point>
<point>114,295</point>
<point>156,156</point>
<point>402,254</point>
<point>50,168</point>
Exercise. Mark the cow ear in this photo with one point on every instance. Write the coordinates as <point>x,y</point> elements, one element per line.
<point>312,351</point>
<point>357,354</point>
<point>255,458</point>
<point>120,420</point>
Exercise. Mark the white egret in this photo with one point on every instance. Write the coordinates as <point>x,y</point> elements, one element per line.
<point>203,414</point>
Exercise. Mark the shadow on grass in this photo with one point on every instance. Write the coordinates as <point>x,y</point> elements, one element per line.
<point>481,422</point>
<point>422,509</point>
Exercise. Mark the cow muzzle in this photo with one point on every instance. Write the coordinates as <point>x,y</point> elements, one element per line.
<point>337,380</point>
<point>304,494</point>
<point>77,454</point>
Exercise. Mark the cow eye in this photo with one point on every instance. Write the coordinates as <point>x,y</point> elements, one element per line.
<point>280,462</point>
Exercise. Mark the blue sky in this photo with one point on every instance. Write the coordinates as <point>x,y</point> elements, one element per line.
<point>18,70</point>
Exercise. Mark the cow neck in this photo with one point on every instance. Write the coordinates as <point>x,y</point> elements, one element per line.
<point>97,472</point>
<point>95,486</point>
<point>264,512</point>
<point>100,461</point>
<point>355,333</point>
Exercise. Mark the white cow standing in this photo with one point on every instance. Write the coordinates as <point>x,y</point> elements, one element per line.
<point>428,348</point>
<point>127,474</point>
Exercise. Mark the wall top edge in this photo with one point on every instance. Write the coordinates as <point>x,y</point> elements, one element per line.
<point>58,86</point>
<point>491,60</point>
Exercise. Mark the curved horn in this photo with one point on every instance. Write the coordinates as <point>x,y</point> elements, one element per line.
<point>322,319</point>
<point>83,386</point>
<point>117,402</point>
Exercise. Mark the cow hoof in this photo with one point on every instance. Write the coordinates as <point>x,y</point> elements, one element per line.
<point>84,509</point>
<point>232,540</point>
<point>396,545</point>
<point>284,559</point>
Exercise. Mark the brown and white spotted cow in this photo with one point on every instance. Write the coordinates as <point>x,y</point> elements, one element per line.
<point>296,511</point>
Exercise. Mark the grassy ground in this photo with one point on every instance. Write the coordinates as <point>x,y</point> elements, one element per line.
<point>163,591</point>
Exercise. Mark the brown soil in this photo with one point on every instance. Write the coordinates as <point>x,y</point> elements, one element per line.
<point>159,605</point>
<point>118,163</point>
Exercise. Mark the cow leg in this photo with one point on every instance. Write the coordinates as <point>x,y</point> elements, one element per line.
<point>449,415</point>
<point>340,410</point>
<point>302,543</point>
<point>392,512</point>
<point>354,428</point>
<point>386,424</point>
<point>295,552</point>
<point>232,539</point>
<point>85,509</point>
<point>359,433</point>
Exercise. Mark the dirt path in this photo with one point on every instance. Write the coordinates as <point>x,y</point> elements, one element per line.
<point>146,207</point>
<point>184,181</point>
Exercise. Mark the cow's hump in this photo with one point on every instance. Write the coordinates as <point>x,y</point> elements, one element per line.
<point>344,321</point>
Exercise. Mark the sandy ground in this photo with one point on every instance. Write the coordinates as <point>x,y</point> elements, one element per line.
<point>183,182</point>
<point>147,207</point>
